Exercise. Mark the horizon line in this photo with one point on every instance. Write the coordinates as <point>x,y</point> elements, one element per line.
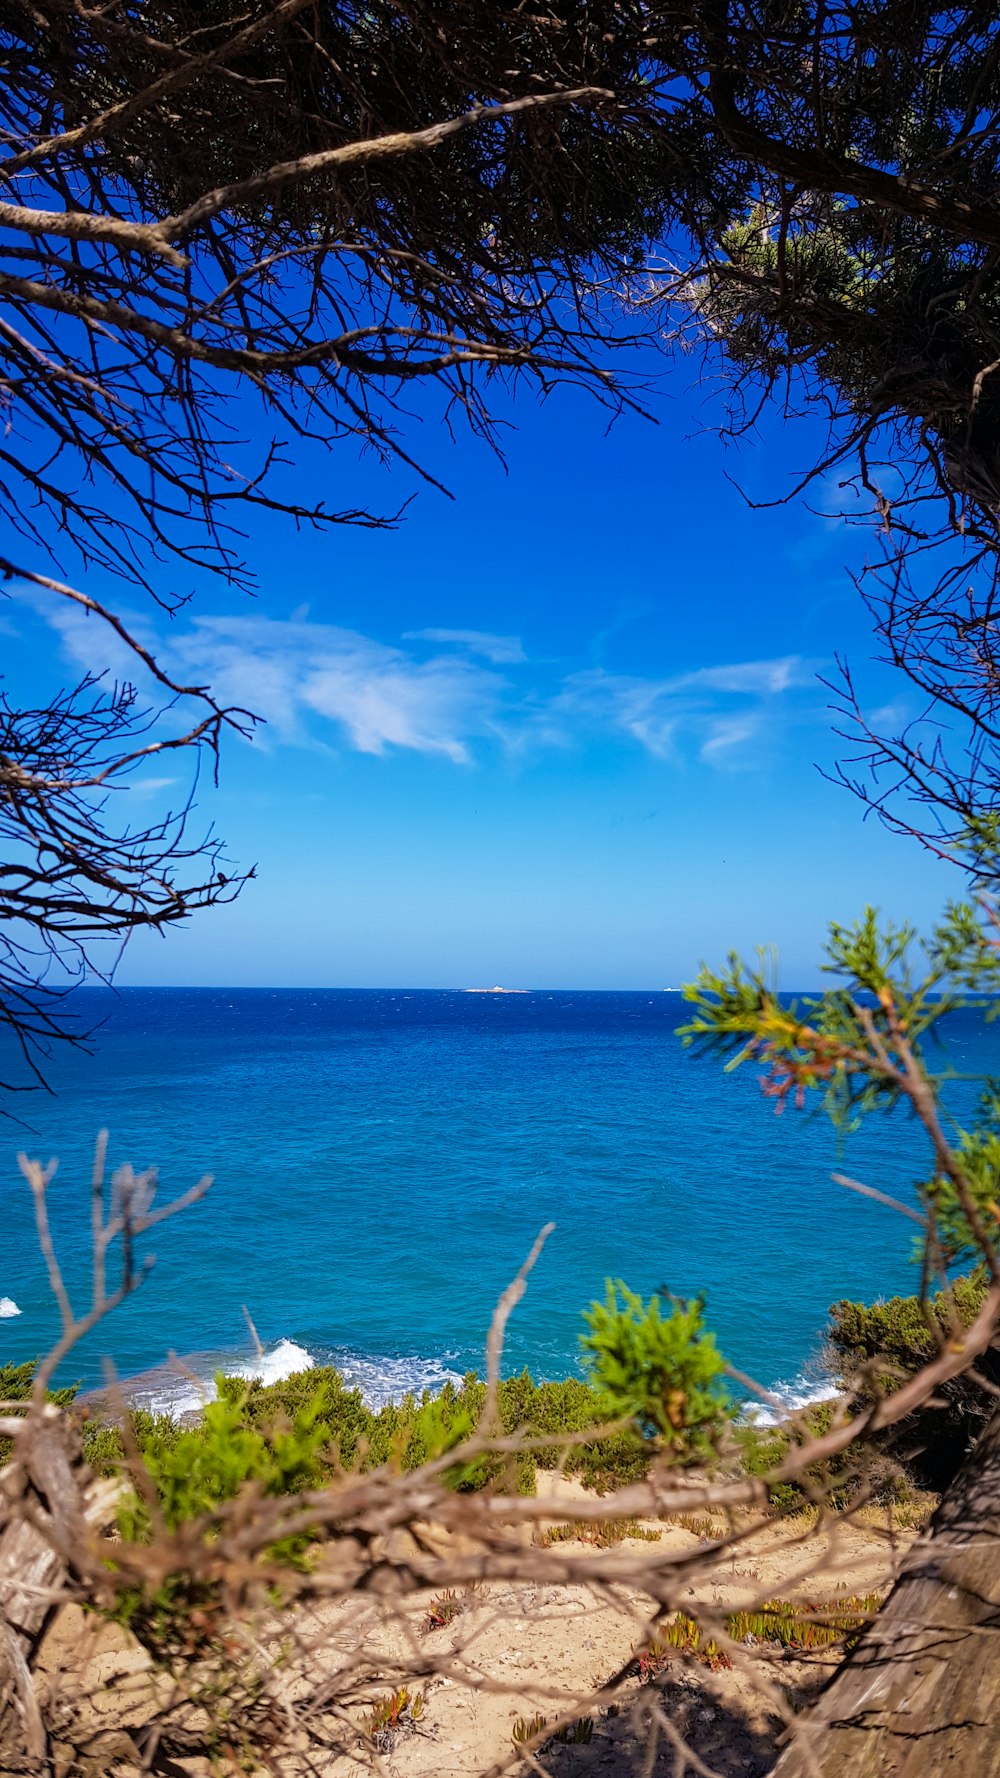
<point>372,988</point>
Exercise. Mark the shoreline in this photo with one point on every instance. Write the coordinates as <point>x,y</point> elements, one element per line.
<point>181,1386</point>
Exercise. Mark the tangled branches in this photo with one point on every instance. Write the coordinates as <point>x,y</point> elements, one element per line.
<point>223,235</point>
<point>78,874</point>
<point>301,204</point>
<point>843,264</point>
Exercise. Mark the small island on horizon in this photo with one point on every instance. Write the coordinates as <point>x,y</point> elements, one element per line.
<point>496,990</point>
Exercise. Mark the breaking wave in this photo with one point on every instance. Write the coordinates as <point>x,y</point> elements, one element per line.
<point>183,1387</point>
<point>382,1380</point>
<point>801,1392</point>
<point>283,1360</point>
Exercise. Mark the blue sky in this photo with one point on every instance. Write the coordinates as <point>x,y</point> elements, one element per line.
<point>561,730</point>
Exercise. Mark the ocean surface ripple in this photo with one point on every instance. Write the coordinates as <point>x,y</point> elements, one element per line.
<point>383,1160</point>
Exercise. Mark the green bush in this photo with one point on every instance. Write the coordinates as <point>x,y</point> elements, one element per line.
<point>16,1381</point>
<point>296,1433</point>
<point>875,1347</point>
<point>858,1473</point>
<point>657,1366</point>
<point>655,1377</point>
<point>655,1381</point>
<point>417,1429</point>
<point>893,1339</point>
<point>199,1466</point>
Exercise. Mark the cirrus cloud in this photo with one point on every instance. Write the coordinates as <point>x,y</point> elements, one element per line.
<point>441,692</point>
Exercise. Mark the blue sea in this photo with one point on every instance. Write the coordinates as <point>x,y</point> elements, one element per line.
<point>382,1162</point>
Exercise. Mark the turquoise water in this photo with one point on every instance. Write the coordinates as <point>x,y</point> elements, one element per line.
<point>383,1161</point>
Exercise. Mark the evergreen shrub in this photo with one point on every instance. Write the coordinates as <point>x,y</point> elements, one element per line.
<point>293,1434</point>
<point>875,1347</point>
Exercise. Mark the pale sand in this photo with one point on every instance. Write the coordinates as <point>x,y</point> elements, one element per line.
<point>521,1650</point>
<point>526,1643</point>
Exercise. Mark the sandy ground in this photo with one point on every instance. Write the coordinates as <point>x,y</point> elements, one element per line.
<point>517,1651</point>
<point>544,1650</point>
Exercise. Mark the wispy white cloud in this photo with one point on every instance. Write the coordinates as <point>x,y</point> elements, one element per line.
<point>441,691</point>
<point>382,697</point>
<point>731,735</point>
<point>292,672</point>
<point>149,786</point>
<point>88,643</point>
<point>666,715</point>
<point>894,715</point>
<point>756,678</point>
<point>596,700</point>
<point>500,650</point>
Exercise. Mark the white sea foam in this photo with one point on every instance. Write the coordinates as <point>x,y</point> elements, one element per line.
<point>183,1388</point>
<point>180,1390</point>
<point>172,1389</point>
<point>8,1308</point>
<point>382,1380</point>
<point>801,1392</point>
<point>176,1396</point>
<point>276,1362</point>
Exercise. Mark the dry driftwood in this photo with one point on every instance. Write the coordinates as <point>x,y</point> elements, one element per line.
<point>920,1696</point>
<point>49,1503</point>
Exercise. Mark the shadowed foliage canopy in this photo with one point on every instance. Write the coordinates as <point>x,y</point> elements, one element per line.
<point>846,262</point>
<point>321,204</point>
<point>327,200</point>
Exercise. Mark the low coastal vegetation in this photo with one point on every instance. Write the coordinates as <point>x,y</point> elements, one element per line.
<point>781,1623</point>
<point>873,1348</point>
<point>291,1435</point>
<point>655,1383</point>
<point>656,1379</point>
